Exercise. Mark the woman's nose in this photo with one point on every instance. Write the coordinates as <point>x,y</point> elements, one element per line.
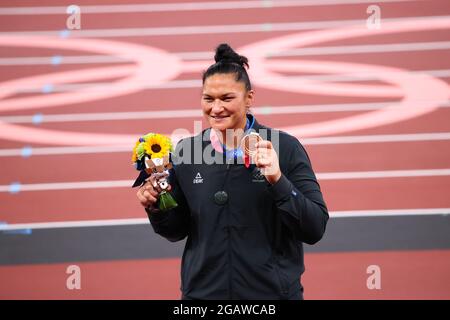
<point>217,106</point>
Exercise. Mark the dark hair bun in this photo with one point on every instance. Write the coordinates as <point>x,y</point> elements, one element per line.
<point>224,53</point>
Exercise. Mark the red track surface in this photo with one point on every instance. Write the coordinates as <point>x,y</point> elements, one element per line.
<point>340,275</point>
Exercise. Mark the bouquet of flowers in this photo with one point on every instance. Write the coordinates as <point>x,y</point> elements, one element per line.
<point>152,156</point>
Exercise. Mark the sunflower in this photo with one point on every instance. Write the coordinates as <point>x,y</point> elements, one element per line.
<point>157,145</point>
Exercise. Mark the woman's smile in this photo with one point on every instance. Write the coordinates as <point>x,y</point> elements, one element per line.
<point>220,118</point>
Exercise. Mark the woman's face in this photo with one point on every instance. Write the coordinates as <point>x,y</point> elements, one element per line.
<point>225,101</point>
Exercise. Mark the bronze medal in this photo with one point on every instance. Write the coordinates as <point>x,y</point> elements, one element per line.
<point>248,146</point>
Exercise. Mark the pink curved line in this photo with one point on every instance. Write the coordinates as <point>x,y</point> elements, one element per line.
<point>96,92</point>
<point>151,66</point>
<point>260,50</point>
<point>438,92</point>
<point>421,93</point>
<point>311,86</point>
<point>275,81</point>
<point>35,82</point>
<point>320,66</point>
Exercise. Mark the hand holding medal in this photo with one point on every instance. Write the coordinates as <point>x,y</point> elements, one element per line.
<point>262,153</point>
<point>151,156</point>
<point>248,146</point>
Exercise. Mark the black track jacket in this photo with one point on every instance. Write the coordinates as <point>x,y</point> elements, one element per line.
<point>249,247</point>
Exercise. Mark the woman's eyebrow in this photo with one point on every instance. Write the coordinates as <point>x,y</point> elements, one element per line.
<point>206,95</point>
<point>227,95</point>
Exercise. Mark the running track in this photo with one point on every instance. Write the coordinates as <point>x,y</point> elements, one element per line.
<point>370,105</point>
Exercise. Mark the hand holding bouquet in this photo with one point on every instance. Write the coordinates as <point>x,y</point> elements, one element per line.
<point>152,157</point>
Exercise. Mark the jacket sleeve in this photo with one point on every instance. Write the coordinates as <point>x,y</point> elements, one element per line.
<point>299,199</point>
<point>173,224</point>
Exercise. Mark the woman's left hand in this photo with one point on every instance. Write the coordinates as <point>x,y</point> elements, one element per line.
<point>267,160</point>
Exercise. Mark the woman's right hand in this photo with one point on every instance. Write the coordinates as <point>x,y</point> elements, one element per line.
<point>148,193</point>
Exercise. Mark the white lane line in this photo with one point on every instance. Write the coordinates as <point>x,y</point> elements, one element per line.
<point>370,48</point>
<point>192,30</point>
<point>73,224</point>
<point>84,59</point>
<point>106,116</point>
<point>204,55</point>
<point>196,83</point>
<point>382,174</point>
<point>66,185</point>
<point>45,151</point>
<point>389,213</point>
<point>139,221</point>
<point>383,138</point>
<point>360,77</point>
<point>105,86</point>
<point>187,6</point>
<point>336,50</point>
<point>196,113</point>
<point>15,187</point>
<point>213,29</point>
